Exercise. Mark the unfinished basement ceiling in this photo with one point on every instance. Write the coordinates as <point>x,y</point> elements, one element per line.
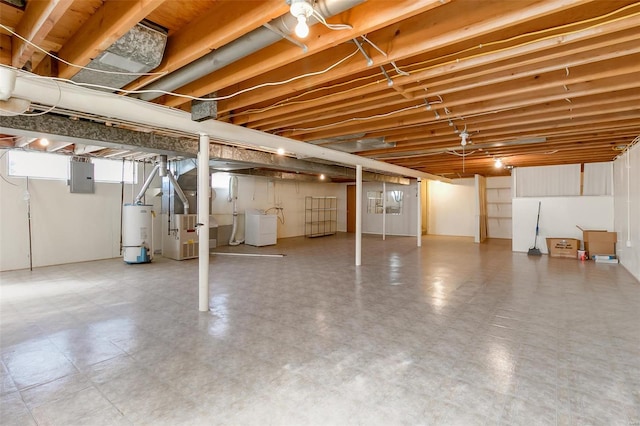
<point>532,82</point>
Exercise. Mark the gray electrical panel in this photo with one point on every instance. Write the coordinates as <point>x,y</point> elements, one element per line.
<point>81,174</point>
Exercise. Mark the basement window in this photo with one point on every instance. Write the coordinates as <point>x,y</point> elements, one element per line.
<point>38,165</point>
<point>114,171</point>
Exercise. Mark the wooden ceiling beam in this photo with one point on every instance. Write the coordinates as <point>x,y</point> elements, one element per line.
<point>569,129</point>
<point>492,99</point>
<point>506,120</point>
<point>199,37</point>
<point>113,20</point>
<point>610,122</point>
<point>38,20</point>
<point>511,58</point>
<point>438,28</point>
<point>5,49</point>
<point>357,105</point>
<point>426,33</point>
<point>603,100</point>
<point>11,16</point>
<point>363,18</point>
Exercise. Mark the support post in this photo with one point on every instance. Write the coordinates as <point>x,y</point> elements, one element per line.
<point>384,211</point>
<point>419,220</point>
<point>358,215</point>
<point>203,221</point>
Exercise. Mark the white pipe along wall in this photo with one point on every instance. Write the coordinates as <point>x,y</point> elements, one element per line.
<point>65,95</point>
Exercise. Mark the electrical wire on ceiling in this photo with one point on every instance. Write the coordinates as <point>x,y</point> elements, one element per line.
<point>382,52</point>
<point>289,102</point>
<point>335,27</point>
<point>478,114</point>
<point>195,98</point>
<point>387,114</point>
<point>456,57</point>
<point>464,154</point>
<point>57,58</point>
<point>33,114</point>
<point>519,36</point>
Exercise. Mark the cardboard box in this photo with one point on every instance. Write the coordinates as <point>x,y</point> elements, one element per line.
<point>563,247</point>
<point>599,242</point>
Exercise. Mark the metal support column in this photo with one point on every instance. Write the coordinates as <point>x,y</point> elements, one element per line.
<point>203,221</point>
<point>358,215</point>
<point>419,221</point>
<point>384,211</point>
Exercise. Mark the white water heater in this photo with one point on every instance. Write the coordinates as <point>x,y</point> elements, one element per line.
<point>137,233</point>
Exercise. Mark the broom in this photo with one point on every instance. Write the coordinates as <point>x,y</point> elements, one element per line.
<point>535,251</point>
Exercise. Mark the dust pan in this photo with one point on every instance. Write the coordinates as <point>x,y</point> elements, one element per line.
<point>535,251</point>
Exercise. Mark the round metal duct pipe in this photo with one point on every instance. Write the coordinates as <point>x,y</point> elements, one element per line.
<point>244,46</point>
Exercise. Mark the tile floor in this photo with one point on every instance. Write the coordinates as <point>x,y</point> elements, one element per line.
<point>453,333</point>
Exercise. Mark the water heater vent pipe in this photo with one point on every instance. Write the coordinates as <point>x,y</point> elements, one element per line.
<point>161,168</point>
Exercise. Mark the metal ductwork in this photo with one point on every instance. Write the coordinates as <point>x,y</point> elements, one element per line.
<point>138,51</point>
<point>249,43</point>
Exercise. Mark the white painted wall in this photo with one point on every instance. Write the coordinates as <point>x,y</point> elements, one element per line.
<point>627,209</point>
<point>65,227</point>
<point>558,218</point>
<point>69,228</point>
<point>452,208</point>
<point>262,194</point>
<point>396,224</point>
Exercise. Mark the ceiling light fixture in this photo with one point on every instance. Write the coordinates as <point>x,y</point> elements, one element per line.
<point>428,105</point>
<point>497,163</point>
<point>302,10</point>
<point>464,136</point>
<point>44,142</point>
<point>321,177</point>
<point>281,151</point>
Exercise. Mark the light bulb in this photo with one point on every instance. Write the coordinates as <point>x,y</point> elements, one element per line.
<point>498,163</point>
<point>280,151</point>
<point>302,29</point>
<point>321,177</point>
<point>44,142</point>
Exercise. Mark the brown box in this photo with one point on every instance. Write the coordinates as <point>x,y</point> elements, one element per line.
<point>599,242</point>
<point>563,247</point>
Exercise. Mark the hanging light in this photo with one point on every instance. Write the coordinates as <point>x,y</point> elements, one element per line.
<point>497,163</point>
<point>302,10</point>
<point>464,137</point>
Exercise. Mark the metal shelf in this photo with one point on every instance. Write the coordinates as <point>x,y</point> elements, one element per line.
<point>320,216</point>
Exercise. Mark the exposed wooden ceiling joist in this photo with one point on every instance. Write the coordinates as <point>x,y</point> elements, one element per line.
<point>103,28</point>
<point>563,70</point>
